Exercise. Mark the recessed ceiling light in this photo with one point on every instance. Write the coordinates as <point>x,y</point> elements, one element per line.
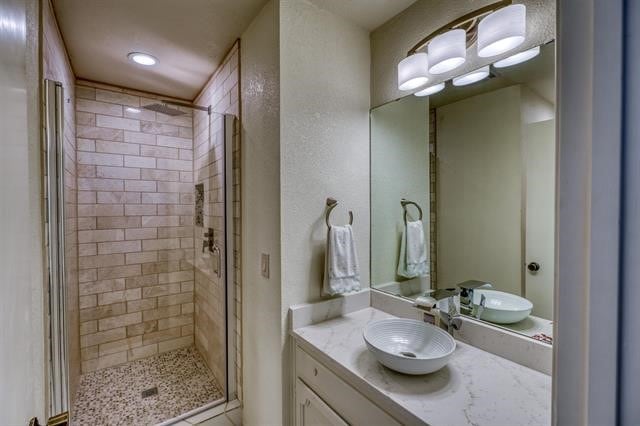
<point>472,77</point>
<point>430,90</point>
<point>518,58</point>
<point>142,58</point>
<point>133,110</point>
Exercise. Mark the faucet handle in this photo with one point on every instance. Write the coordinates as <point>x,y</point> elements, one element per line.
<point>451,307</point>
<point>480,309</point>
<point>456,323</point>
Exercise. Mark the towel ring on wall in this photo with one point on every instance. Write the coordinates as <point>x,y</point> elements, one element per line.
<point>404,203</point>
<point>331,204</point>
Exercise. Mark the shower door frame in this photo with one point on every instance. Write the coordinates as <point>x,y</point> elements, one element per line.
<point>230,386</point>
<point>57,333</point>
<point>229,288</point>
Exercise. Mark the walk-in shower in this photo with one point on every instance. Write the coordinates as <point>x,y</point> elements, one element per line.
<point>154,301</point>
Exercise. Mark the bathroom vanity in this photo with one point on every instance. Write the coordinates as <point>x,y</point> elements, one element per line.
<point>338,381</point>
<point>463,202</point>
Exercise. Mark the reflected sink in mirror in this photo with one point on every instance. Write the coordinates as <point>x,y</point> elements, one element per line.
<point>501,307</point>
<point>409,346</point>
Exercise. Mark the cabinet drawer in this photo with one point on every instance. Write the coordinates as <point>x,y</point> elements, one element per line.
<point>350,404</point>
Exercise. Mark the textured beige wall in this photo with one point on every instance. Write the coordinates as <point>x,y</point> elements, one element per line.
<point>391,41</point>
<point>324,149</point>
<point>135,227</point>
<point>222,93</point>
<point>56,66</point>
<point>305,132</point>
<point>261,307</point>
<point>324,95</point>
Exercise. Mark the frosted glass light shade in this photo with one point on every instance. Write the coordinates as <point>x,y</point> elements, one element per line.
<point>472,77</point>
<point>412,71</point>
<point>447,51</point>
<point>430,90</point>
<point>518,58</point>
<point>503,30</point>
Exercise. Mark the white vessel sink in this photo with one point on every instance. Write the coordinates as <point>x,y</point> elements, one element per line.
<point>409,346</point>
<point>501,307</point>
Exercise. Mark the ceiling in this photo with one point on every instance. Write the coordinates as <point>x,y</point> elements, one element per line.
<point>369,14</point>
<point>189,38</point>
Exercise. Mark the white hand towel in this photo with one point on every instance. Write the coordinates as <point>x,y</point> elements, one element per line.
<point>342,273</point>
<point>413,251</point>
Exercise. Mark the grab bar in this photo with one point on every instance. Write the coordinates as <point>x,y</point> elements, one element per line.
<point>331,204</point>
<point>404,203</point>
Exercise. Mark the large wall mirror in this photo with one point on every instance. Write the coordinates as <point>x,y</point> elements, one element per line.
<point>463,195</point>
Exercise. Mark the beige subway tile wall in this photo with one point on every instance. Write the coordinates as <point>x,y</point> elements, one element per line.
<point>135,227</point>
<point>222,92</point>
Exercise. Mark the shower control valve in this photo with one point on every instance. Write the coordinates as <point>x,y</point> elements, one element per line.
<point>209,240</point>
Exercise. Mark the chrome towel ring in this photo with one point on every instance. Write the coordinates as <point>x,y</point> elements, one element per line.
<point>404,203</point>
<point>331,204</point>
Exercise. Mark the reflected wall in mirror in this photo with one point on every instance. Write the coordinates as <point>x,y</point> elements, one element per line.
<point>480,162</point>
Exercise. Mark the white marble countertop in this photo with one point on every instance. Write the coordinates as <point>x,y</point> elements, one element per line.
<point>475,388</point>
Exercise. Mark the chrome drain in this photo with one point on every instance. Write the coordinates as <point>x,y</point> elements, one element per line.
<point>150,392</point>
<point>408,354</point>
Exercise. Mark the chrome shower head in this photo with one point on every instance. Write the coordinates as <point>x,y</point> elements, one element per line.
<point>164,109</point>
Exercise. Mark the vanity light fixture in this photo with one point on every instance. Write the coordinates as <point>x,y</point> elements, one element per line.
<point>497,28</point>
<point>412,71</point>
<point>142,58</point>
<point>518,58</point>
<point>502,30</point>
<point>447,51</point>
<point>472,77</point>
<point>430,90</point>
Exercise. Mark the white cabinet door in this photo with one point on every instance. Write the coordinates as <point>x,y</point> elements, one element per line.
<point>313,411</point>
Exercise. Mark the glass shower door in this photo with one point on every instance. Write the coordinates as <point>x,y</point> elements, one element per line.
<point>55,241</point>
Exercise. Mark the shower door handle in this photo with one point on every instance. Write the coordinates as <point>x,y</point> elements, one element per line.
<point>218,259</point>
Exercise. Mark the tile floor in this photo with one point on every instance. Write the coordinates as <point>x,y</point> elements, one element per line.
<point>232,418</point>
<point>113,396</point>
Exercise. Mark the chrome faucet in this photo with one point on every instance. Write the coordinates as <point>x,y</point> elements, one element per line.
<point>454,319</point>
<point>480,309</point>
<point>466,294</point>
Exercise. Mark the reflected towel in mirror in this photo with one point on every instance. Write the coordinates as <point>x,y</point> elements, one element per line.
<point>342,273</point>
<point>413,251</point>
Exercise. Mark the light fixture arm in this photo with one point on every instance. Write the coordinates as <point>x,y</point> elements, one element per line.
<point>468,22</point>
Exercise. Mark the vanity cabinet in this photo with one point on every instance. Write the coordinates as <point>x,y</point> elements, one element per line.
<point>322,398</point>
<point>311,410</point>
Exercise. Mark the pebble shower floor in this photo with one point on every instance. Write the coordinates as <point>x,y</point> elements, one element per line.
<point>113,396</point>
